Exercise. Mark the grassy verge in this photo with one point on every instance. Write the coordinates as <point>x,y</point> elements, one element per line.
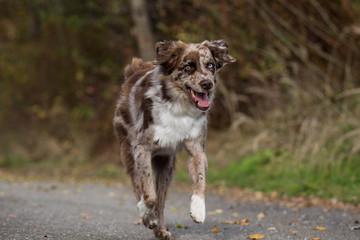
<point>269,171</point>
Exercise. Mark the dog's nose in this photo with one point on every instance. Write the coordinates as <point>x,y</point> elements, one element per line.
<point>206,84</point>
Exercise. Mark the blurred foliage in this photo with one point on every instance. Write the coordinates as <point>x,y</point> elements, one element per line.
<point>294,87</point>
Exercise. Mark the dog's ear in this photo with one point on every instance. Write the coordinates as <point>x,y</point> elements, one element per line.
<point>220,51</point>
<point>168,54</point>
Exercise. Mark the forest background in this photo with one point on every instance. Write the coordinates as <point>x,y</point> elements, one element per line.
<point>286,115</point>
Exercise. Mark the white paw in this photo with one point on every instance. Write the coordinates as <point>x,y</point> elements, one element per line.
<point>143,210</point>
<point>197,209</point>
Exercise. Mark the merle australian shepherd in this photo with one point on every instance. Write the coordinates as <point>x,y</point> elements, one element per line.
<point>162,108</point>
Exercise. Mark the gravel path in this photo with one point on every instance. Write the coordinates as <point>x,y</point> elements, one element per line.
<point>53,210</point>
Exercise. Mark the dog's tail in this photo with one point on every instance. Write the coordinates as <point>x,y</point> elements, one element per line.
<point>137,64</point>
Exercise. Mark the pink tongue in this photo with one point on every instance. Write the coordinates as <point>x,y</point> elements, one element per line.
<point>202,99</point>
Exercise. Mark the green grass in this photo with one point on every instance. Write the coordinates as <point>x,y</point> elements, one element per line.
<point>269,171</point>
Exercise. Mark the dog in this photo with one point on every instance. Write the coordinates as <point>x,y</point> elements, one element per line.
<point>162,108</point>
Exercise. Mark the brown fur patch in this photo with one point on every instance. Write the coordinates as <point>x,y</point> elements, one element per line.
<point>168,54</point>
<point>144,103</point>
<point>136,65</point>
<point>146,108</point>
<point>165,90</point>
<point>123,111</point>
<point>194,58</point>
<point>220,51</point>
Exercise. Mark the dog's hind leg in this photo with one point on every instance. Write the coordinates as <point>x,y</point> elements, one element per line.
<point>128,162</point>
<point>163,167</point>
<point>143,172</point>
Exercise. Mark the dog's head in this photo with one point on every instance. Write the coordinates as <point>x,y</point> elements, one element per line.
<point>193,67</point>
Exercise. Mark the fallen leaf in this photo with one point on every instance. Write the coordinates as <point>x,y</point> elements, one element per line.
<point>12,216</point>
<point>87,217</point>
<point>256,236</point>
<point>179,226</point>
<point>260,215</point>
<point>138,222</point>
<point>228,222</point>
<point>235,214</point>
<point>221,190</point>
<point>243,222</point>
<point>174,209</point>
<point>65,192</point>
<point>271,229</point>
<point>216,211</point>
<point>294,232</point>
<point>215,230</point>
<point>320,228</point>
<point>259,195</point>
<point>315,238</point>
<point>111,195</point>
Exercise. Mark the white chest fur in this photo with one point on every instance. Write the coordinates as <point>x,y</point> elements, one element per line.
<point>173,124</point>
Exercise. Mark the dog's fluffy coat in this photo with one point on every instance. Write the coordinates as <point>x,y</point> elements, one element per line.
<point>161,109</point>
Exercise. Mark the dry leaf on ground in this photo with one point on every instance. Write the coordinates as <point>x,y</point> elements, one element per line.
<point>179,226</point>
<point>111,195</point>
<point>215,230</point>
<point>65,192</point>
<point>243,222</point>
<point>260,215</point>
<point>87,217</point>
<point>216,211</point>
<point>138,222</point>
<point>319,228</point>
<point>271,229</point>
<point>256,236</point>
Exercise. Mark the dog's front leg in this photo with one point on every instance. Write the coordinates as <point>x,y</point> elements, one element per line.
<point>142,160</point>
<point>197,165</point>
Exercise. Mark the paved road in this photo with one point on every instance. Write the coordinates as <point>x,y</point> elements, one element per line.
<point>95,211</point>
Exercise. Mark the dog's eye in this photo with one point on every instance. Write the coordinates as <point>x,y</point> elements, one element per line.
<point>210,65</point>
<point>190,67</point>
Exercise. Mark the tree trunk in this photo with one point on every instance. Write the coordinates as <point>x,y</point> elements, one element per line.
<point>144,35</point>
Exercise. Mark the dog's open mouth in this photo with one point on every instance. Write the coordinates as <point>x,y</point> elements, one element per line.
<point>201,99</point>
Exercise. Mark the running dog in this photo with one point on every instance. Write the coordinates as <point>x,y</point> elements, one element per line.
<point>162,108</point>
